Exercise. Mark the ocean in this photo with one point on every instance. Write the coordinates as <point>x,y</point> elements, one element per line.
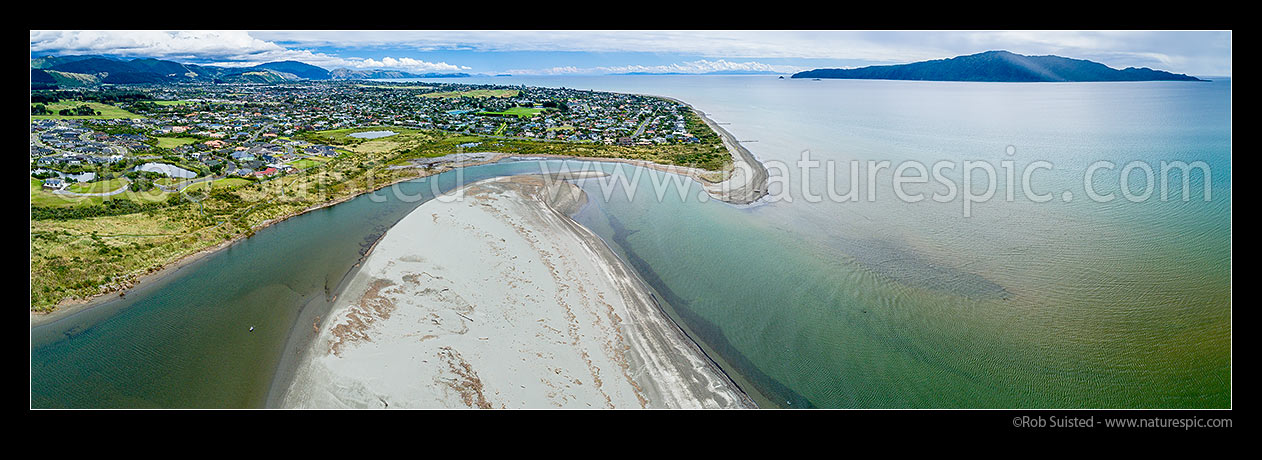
<point>1039,296</point>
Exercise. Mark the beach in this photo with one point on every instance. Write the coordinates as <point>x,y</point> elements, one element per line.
<point>492,297</point>
<point>747,181</point>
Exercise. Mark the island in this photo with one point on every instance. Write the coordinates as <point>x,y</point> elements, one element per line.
<point>999,66</point>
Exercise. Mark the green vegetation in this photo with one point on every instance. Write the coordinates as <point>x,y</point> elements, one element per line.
<point>84,246</point>
<point>217,184</point>
<point>698,127</point>
<point>305,163</point>
<point>712,156</point>
<point>173,103</point>
<point>101,186</point>
<point>107,129</point>
<point>522,112</point>
<point>46,205</point>
<point>89,245</point>
<point>173,142</point>
<point>342,137</point>
<point>100,111</point>
<point>478,93</point>
<point>101,95</point>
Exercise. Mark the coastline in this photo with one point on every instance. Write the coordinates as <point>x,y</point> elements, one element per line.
<point>448,321</point>
<point>71,306</point>
<point>746,189</point>
<point>748,182</point>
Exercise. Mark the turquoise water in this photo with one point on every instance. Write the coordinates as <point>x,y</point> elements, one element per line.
<point>880,303</point>
<point>185,341</point>
<point>894,304</point>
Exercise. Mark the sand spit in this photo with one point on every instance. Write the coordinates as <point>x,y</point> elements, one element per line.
<point>747,181</point>
<point>492,297</point>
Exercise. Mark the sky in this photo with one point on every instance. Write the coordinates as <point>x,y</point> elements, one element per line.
<point>577,52</point>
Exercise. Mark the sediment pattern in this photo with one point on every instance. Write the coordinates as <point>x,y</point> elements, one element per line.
<point>498,299</point>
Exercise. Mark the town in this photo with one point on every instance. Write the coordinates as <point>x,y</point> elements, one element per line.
<point>250,130</point>
<point>188,166</point>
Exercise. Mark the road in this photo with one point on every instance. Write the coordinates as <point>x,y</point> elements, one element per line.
<point>640,130</point>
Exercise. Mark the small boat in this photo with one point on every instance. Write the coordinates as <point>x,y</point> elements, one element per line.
<point>251,328</point>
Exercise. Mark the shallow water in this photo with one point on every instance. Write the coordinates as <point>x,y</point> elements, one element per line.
<point>879,303</point>
<point>185,340</point>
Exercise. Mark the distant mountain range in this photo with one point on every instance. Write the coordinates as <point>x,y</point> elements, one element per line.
<point>72,71</point>
<point>999,66</point>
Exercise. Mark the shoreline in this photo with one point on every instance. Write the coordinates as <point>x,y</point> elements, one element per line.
<point>740,194</point>
<point>749,189</point>
<point>68,307</point>
<point>639,358</point>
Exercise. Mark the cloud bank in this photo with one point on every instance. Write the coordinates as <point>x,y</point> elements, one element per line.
<point>694,67</point>
<point>223,48</point>
<point>1193,52</point>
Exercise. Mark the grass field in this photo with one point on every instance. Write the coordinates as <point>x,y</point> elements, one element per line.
<point>173,142</point>
<point>107,111</point>
<point>306,163</point>
<point>404,138</point>
<point>521,112</point>
<point>43,197</point>
<point>218,184</point>
<point>173,102</point>
<point>101,186</point>
<point>481,93</point>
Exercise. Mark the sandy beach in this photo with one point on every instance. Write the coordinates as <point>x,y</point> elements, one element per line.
<point>492,297</point>
<point>747,182</point>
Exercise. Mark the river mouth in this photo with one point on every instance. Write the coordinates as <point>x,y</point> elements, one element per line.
<point>871,304</point>
<point>186,340</point>
<point>246,312</point>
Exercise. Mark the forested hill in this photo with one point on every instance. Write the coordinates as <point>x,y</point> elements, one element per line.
<point>71,71</point>
<point>999,66</point>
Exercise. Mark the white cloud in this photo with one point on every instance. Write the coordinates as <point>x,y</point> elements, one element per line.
<point>693,67</point>
<point>153,43</point>
<point>709,43</point>
<point>224,48</point>
<point>1204,53</point>
<point>405,63</point>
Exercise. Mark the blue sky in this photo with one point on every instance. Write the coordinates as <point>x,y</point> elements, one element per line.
<point>1202,53</point>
